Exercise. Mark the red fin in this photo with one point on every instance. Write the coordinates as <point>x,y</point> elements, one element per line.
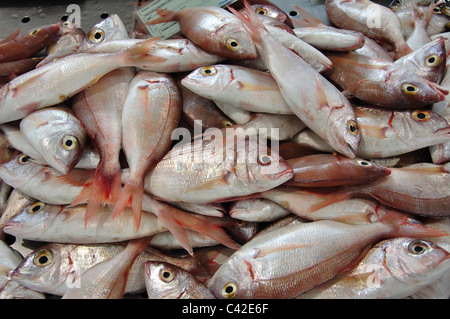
<point>11,37</point>
<point>78,177</point>
<point>252,21</point>
<point>165,16</point>
<point>138,55</point>
<point>130,196</point>
<point>402,50</point>
<point>28,109</point>
<point>308,18</point>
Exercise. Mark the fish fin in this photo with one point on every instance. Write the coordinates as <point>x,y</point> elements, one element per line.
<point>405,226</point>
<point>310,19</point>
<point>330,198</point>
<point>251,21</point>
<point>29,108</point>
<point>138,54</point>
<point>131,195</point>
<point>11,37</point>
<point>402,49</point>
<point>164,16</point>
<point>78,177</point>
<point>245,86</point>
<point>262,252</point>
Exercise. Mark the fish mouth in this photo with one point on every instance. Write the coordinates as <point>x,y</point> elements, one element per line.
<point>440,90</point>
<point>443,131</point>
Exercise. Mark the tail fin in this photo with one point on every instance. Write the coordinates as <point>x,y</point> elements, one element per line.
<point>404,226</point>
<point>131,195</point>
<point>164,16</point>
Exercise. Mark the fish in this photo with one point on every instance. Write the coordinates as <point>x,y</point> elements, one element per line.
<point>288,261</point>
<point>99,108</point>
<point>382,274</point>
<point>54,268</point>
<point>270,11</point>
<point>329,170</point>
<point>372,49</point>
<point>108,279</point>
<point>10,70</point>
<point>166,281</point>
<point>57,135</point>
<point>419,37</point>
<point>150,113</point>
<point>382,83</point>
<point>327,111</point>
<point>241,87</point>
<point>29,43</point>
<point>237,115</point>
<point>214,29</point>
<point>257,210</point>
<point>436,25</point>
<point>167,242</point>
<point>371,19</point>
<point>16,103</point>
<point>397,5</point>
<point>14,205</point>
<point>228,167</point>
<point>386,133</point>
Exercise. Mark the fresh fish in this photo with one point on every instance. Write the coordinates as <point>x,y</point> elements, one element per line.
<point>15,204</point>
<point>372,49</point>
<point>150,113</point>
<point>241,87</point>
<point>386,133</point>
<point>210,171</point>
<point>328,170</point>
<point>9,70</point>
<point>419,37</point>
<point>371,19</point>
<point>12,290</point>
<point>327,111</point>
<point>55,268</point>
<point>166,241</point>
<point>305,143</point>
<point>237,115</point>
<point>108,279</point>
<point>429,61</point>
<point>210,209</point>
<point>382,274</point>
<point>28,44</point>
<point>437,24</point>
<point>288,261</point>
<point>270,11</point>
<point>57,135</point>
<point>397,5</point>
<point>213,29</point>
<point>257,210</point>
<point>16,102</point>
<point>99,108</point>
<point>382,83</point>
<point>166,281</point>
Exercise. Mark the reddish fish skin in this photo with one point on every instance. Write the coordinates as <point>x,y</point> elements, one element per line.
<point>8,70</point>
<point>27,45</point>
<point>99,108</point>
<point>329,170</point>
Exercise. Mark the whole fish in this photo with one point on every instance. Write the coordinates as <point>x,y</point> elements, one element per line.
<point>99,108</point>
<point>30,43</point>
<point>382,83</point>
<point>382,274</point>
<point>150,113</point>
<point>57,135</point>
<point>328,170</point>
<point>166,281</point>
<point>257,210</point>
<point>326,111</point>
<point>210,171</point>
<point>213,29</point>
<point>428,61</point>
<point>386,133</point>
<point>437,24</point>
<point>241,87</point>
<point>371,19</point>
<point>73,77</point>
<point>55,268</point>
<point>108,279</point>
<point>288,261</point>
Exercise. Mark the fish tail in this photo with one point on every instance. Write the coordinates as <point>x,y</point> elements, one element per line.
<point>405,226</point>
<point>164,16</point>
<point>251,21</point>
<point>130,196</point>
<point>402,49</point>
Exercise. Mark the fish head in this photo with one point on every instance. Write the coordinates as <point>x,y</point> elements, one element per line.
<point>425,124</point>
<point>19,170</point>
<point>233,279</point>
<point>268,11</point>
<point>162,280</point>
<point>369,169</point>
<point>111,28</point>
<point>43,269</point>
<point>426,261</point>
<point>207,81</point>
<point>58,135</point>
<point>413,90</point>
<point>348,136</point>
<point>33,219</point>
<point>235,42</point>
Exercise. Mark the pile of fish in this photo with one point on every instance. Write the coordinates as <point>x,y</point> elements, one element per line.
<point>256,155</point>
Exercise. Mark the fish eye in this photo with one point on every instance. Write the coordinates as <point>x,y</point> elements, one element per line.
<point>437,10</point>
<point>69,142</point>
<point>96,36</point>
<point>233,44</point>
<point>43,258</point>
<point>418,247</point>
<point>421,116</point>
<point>363,163</point>
<point>261,10</point>
<point>23,159</point>
<point>264,160</point>
<point>410,89</point>
<point>240,223</point>
<point>229,290</point>
<point>67,24</point>
<point>227,124</point>
<point>352,127</point>
<point>35,208</point>
<point>166,275</point>
<point>432,60</point>
<point>208,70</point>
<point>34,32</point>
